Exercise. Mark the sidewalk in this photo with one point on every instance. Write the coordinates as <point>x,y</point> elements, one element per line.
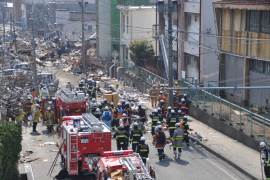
<point>239,156</point>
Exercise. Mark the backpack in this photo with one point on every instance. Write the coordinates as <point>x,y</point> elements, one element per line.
<point>106,116</point>
<point>161,139</point>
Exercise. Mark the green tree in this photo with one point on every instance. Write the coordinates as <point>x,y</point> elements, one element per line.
<point>140,52</point>
<point>10,148</point>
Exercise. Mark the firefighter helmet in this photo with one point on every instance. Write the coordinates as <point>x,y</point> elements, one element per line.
<point>136,124</point>
<point>155,111</point>
<point>159,127</point>
<point>160,92</point>
<point>154,85</point>
<point>49,108</point>
<point>262,146</point>
<point>98,110</point>
<point>176,82</point>
<point>179,111</point>
<point>177,125</point>
<point>172,111</point>
<point>121,126</point>
<point>169,107</point>
<point>142,138</point>
<point>158,123</point>
<point>112,103</point>
<point>124,115</point>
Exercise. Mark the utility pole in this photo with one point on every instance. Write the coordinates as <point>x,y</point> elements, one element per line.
<point>34,53</point>
<point>82,4</point>
<point>4,40</point>
<point>170,78</point>
<point>14,34</point>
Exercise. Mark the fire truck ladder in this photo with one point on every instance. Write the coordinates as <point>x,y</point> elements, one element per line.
<point>93,123</point>
<point>131,163</point>
<point>73,148</point>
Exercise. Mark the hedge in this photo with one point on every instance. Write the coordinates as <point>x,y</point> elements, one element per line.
<point>10,148</point>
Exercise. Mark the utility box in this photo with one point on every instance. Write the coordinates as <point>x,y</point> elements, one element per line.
<point>112,97</point>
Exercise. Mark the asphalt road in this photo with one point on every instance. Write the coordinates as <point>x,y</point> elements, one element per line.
<point>196,163</point>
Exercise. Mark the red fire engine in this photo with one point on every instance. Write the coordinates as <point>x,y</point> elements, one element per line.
<point>84,140</point>
<point>123,165</point>
<point>66,103</point>
<point>70,104</point>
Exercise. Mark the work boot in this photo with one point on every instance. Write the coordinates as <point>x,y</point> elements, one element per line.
<point>179,155</point>
<point>175,154</point>
<point>163,156</point>
<point>160,158</point>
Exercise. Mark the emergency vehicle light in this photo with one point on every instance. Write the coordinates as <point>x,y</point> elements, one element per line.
<point>116,153</point>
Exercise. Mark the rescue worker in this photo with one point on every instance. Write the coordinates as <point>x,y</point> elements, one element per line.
<point>27,107</point>
<point>171,123</point>
<point>265,155</point>
<point>180,116</point>
<point>94,108</point>
<point>121,137</point>
<point>143,149</point>
<point>153,94</point>
<point>112,108</point>
<point>97,114</point>
<point>159,143</point>
<point>176,102</point>
<point>183,106</point>
<point>119,114</point>
<point>165,91</point>
<point>107,117</point>
<point>36,117</point>
<point>162,108</point>
<point>185,127</point>
<point>168,113</point>
<point>155,118</point>
<point>126,125</point>
<point>128,111</point>
<point>161,97</point>
<point>19,115</point>
<point>49,117</point>
<point>176,86</point>
<point>188,102</point>
<point>177,141</point>
<point>135,137</point>
<point>141,113</point>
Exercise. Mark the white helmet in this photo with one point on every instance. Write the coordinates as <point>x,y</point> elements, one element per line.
<point>160,92</point>
<point>37,105</point>
<point>135,124</point>
<point>177,125</point>
<point>98,110</point>
<point>155,111</point>
<point>158,123</point>
<point>185,94</point>
<point>106,108</point>
<point>121,126</point>
<point>158,108</point>
<point>169,107</point>
<point>142,138</point>
<point>161,100</point>
<point>172,111</point>
<point>49,108</point>
<point>124,115</point>
<point>262,146</point>
<point>179,111</point>
<point>112,103</point>
<point>159,127</point>
<point>182,100</point>
<point>176,82</point>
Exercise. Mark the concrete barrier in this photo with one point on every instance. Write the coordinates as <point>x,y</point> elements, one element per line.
<point>134,81</point>
<point>223,127</point>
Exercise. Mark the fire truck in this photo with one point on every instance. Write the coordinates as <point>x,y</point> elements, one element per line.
<point>123,165</point>
<point>66,103</point>
<point>70,104</point>
<point>84,140</point>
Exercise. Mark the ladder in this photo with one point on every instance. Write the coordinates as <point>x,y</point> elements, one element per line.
<point>93,123</point>
<point>73,148</point>
<point>132,162</point>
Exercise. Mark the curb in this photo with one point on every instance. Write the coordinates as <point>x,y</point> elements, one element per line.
<point>224,159</point>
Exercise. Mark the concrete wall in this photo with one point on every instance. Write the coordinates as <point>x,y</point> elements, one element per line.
<point>259,96</point>
<point>223,127</point>
<point>133,81</point>
<point>234,73</point>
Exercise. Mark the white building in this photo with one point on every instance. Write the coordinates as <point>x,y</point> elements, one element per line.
<point>194,22</point>
<point>136,24</point>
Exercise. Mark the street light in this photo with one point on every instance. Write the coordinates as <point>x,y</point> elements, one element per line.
<point>115,54</point>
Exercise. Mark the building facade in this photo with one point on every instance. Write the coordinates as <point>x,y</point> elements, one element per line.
<point>243,30</point>
<point>194,55</point>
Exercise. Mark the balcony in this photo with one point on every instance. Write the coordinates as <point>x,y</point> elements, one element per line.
<point>192,7</point>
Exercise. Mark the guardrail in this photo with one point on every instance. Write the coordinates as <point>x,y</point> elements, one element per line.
<point>250,123</point>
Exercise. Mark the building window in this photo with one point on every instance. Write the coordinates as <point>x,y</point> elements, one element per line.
<point>258,21</point>
<point>266,21</point>
<point>188,20</point>
<point>196,18</point>
<point>90,28</point>
<point>260,66</point>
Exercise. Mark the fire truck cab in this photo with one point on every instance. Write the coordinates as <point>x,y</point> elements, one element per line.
<point>124,165</point>
<point>83,140</point>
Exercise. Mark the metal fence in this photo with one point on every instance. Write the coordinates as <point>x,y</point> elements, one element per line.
<point>250,123</point>
<point>145,75</point>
